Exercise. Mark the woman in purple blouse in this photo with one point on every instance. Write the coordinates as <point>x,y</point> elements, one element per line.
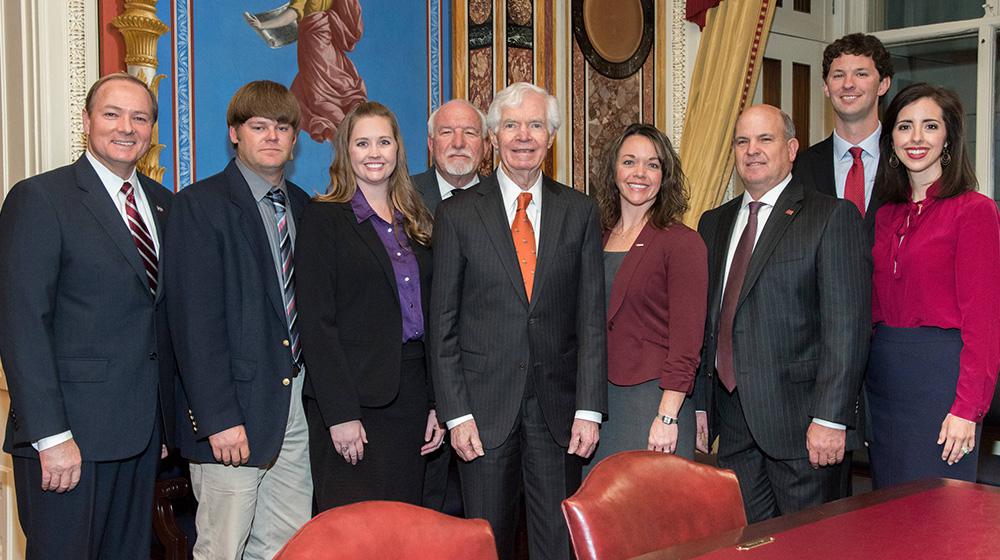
<point>363,267</point>
<point>935,306</point>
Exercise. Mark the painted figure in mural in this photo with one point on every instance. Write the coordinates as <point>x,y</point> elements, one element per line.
<point>328,85</point>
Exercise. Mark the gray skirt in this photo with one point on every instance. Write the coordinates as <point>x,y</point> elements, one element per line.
<point>630,413</point>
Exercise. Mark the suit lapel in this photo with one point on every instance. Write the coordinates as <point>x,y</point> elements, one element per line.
<point>828,177</point>
<point>553,213</point>
<point>106,213</point>
<point>783,213</point>
<point>494,217</point>
<point>623,279</point>
<point>253,230</point>
<point>366,232</point>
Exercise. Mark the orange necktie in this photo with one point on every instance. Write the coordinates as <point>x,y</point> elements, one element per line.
<point>524,241</point>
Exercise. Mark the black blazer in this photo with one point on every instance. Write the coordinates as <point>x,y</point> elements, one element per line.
<point>486,338</point>
<point>227,317</point>
<point>83,340</point>
<point>427,185</point>
<point>349,314</point>
<point>803,319</point>
<point>814,167</point>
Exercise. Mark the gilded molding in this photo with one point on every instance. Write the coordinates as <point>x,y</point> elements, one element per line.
<point>679,67</point>
<point>76,42</point>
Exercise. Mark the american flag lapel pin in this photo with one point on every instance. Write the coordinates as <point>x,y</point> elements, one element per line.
<point>789,212</point>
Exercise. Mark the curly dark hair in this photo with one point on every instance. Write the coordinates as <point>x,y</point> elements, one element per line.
<point>859,44</point>
<point>892,184</point>
<point>671,202</point>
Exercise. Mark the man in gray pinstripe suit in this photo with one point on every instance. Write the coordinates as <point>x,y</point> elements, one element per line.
<point>788,326</point>
<point>518,352</point>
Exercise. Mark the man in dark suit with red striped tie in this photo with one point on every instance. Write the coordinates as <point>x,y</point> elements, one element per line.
<point>83,337</point>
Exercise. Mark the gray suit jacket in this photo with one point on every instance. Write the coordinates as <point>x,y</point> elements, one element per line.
<point>803,319</point>
<point>487,339</point>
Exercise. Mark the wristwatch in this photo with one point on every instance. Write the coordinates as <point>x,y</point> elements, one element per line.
<point>668,420</point>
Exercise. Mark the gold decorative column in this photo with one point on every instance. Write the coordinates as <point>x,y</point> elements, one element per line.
<point>141,28</point>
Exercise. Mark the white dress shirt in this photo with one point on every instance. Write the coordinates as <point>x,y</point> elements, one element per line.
<point>763,213</point>
<point>446,188</point>
<point>509,191</point>
<point>843,160</point>
<point>113,184</point>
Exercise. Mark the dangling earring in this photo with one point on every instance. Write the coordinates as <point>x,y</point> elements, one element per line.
<point>945,157</point>
<point>893,160</point>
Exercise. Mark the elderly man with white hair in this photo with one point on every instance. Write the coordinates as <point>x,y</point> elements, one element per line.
<point>517,330</point>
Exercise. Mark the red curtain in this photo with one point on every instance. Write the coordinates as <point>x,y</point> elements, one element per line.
<point>696,10</point>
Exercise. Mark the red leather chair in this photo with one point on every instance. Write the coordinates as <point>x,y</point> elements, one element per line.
<point>639,501</point>
<point>368,530</point>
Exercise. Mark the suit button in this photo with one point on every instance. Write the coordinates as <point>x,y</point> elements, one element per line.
<point>285,343</point>
<point>521,365</point>
<point>531,321</point>
<point>286,382</point>
<point>152,355</point>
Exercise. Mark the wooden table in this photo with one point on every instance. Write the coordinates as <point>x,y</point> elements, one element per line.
<point>939,519</point>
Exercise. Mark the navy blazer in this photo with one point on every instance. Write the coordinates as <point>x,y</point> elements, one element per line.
<point>227,317</point>
<point>81,335</point>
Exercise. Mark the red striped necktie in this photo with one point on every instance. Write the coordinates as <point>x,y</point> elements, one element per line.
<point>141,236</point>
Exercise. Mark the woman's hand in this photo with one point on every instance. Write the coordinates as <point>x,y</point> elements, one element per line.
<point>349,440</point>
<point>958,436</point>
<point>433,434</point>
<point>662,438</point>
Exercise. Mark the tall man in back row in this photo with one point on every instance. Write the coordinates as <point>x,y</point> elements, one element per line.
<point>519,356</point>
<point>857,72</point>
<point>789,319</point>
<point>83,337</point>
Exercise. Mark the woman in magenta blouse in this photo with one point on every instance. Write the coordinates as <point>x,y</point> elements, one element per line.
<point>656,283</point>
<point>936,309</point>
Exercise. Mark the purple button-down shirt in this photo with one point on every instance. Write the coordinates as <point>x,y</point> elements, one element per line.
<point>404,264</point>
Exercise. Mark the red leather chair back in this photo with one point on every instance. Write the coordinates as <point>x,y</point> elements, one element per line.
<point>369,530</point>
<point>639,501</point>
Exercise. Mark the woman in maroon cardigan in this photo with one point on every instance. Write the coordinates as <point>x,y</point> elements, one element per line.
<point>936,349</point>
<point>656,276</point>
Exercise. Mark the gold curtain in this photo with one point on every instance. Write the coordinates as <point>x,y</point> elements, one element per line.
<point>725,75</point>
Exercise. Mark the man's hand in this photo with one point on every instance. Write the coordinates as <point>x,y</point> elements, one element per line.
<point>465,440</point>
<point>433,434</point>
<point>349,439</point>
<point>701,434</point>
<point>825,445</point>
<point>230,446</point>
<point>60,467</point>
<point>583,438</point>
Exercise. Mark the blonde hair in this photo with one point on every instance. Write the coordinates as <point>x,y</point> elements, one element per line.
<point>402,195</point>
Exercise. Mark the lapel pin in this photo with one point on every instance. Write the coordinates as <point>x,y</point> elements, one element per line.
<point>159,209</point>
<point>789,212</point>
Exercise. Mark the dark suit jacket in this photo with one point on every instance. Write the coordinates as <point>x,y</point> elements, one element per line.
<point>426,184</point>
<point>803,319</point>
<point>487,339</point>
<point>80,332</point>
<point>656,316</point>
<point>814,166</point>
<point>349,314</point>
<point>227,317</point>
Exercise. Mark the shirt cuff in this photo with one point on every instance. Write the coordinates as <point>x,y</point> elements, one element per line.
<point>828,424</point>
<point>52,441</point>
<point>452,423</point>
<point>590,415</point>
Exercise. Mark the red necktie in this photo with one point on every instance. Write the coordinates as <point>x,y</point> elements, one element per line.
<point>140,235</point>
<point>734,283</point>
<point>524,241</point>
<point>854,186</point>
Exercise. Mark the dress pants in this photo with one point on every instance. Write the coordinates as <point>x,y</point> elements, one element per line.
<point>251,512</point>
<point>771,487</point>
<point>491,486</point>
<point>109,515</point>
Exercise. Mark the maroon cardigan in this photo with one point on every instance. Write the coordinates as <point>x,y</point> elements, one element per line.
<point>656,316</point>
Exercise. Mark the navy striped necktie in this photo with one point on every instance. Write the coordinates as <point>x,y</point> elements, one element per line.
<point>277,199</point>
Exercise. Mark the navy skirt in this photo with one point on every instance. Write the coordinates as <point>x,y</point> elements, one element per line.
<point>912,375</point>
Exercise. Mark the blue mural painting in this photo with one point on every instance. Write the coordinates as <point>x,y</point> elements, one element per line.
<point>400,51</point>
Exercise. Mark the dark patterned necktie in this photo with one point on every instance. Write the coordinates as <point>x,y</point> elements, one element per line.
<point>277,199</point>
<point>141,236</point>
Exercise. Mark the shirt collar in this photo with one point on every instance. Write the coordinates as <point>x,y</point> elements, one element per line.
<point>112,183</point>
<point>868,146</point>
<point>510,190</point>
<point>363,210</point>
<point>445,186</point>
<point>259,187</point>
<point>771,196</point>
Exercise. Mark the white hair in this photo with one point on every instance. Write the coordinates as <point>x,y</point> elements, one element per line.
<point>482,117</point>
<point>513,96</point>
